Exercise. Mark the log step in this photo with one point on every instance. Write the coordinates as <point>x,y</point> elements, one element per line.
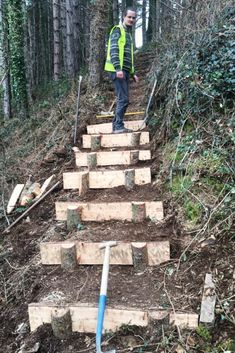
<point>84,317</point>
<point>106,211</point>
<point>89,253</point>
<point>107,178</point>
<point>106,158</point>
<point>130,139</point>
<point>107,127</point>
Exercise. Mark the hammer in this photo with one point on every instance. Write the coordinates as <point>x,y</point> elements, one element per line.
<point>103,294</point>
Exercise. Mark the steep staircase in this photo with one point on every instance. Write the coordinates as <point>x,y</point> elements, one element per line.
<point>111,194</point>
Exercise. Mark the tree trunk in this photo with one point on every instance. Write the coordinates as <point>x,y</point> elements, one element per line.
<point>115,12</point>
<point>63,34</point>
<point>97,42</point>
<point>56,41</point>
<point>4,63</point>
<point>17,65</point>
<point>69,39</point>
<point>144,34</point>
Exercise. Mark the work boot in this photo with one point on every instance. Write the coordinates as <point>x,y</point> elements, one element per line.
<point>120,131</point>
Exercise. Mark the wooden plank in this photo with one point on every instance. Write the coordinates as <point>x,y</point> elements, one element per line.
<point>88,253</point>
<point>14,197</point>
<point>107,127</point>
<point>45,186</point>
<point>109,210</point>
<point>158,252</point>
<point>116,140</point>
<point>207,314</point>
<point>84,316</point>
<point>106,178</point>
<point>105,158</point>
<point>184,320</point>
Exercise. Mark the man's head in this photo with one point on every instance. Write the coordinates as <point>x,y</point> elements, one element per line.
<point>129,17</point>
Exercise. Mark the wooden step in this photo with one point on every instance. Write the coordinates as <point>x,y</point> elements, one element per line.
<point>88,253</point>
<point>107,127</point>
<point>105,158</point>
<point>84,317</point>
<point>118,140</point>
<point>106,179</point>
<point>106,211</point>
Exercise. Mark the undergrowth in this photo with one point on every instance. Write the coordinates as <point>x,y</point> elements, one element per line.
<point>194,114</point>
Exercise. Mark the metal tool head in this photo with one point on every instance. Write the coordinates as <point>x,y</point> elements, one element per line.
<point>98,350</point>
<point>108,243</point>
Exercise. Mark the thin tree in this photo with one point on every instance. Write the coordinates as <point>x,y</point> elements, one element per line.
<point>56,41</point>
<point>97,41</point>
<point>4,61</point>
<point>17,64</point>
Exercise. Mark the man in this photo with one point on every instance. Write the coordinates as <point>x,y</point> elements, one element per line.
<point>120,63</point>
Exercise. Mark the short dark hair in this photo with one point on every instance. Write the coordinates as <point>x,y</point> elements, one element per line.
<point>128,9</point>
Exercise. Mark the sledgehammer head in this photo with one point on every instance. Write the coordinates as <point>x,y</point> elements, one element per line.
<point>109,244</point>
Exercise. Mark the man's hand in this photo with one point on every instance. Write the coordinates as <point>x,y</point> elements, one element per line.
<point>136,78</point>
<point>120,74</point>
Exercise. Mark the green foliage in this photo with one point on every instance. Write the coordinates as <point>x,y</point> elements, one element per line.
<point>180,184</point>
<point>193,210</point>
<point>204,333</point>
<point>17,61</point>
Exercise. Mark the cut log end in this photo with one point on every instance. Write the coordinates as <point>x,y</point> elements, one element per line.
<point>139,255</point>
<point>95,142</point>
<point>61,323</point>
<point>138,211</point>
<point>68,256</point>
<point>73,217</point>
<point>129,179</point>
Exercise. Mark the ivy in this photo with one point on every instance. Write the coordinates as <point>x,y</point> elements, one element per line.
<point>17,61</point>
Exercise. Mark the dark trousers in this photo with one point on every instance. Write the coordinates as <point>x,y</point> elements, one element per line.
<point>122,95</point>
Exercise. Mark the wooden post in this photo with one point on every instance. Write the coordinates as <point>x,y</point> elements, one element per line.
<point>61,323</point>
<point>207,314</point>
<point>138,211</point>
<point>139,255</point>
<point>68,256</point>
<point>134,157</point>
<point>135,139</point>
<point>73,217</point>
<point>95,142</point>
<point>129,179</point>
<point>83,183</point>
<point>91,160</point>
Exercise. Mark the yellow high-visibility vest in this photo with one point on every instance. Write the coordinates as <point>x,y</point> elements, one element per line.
<point>121,44</point>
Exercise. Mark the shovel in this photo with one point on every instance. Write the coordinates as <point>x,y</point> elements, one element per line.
<point>103,295</point>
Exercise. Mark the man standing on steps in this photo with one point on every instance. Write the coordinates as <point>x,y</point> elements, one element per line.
<point>120,64</point>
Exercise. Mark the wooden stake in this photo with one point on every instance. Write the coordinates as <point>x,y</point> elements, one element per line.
<point>83,183</point>
<point>207,314</point>
<point>138,211</point>
<point>129,179</point>
<point>61,323</point>
<point>134,157</point>
<point>68,256</point>
<point>95,142</point>
<point>73,217</point>
<point>139,255</point>
<point>92,160</point>
<point>135,139</point>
